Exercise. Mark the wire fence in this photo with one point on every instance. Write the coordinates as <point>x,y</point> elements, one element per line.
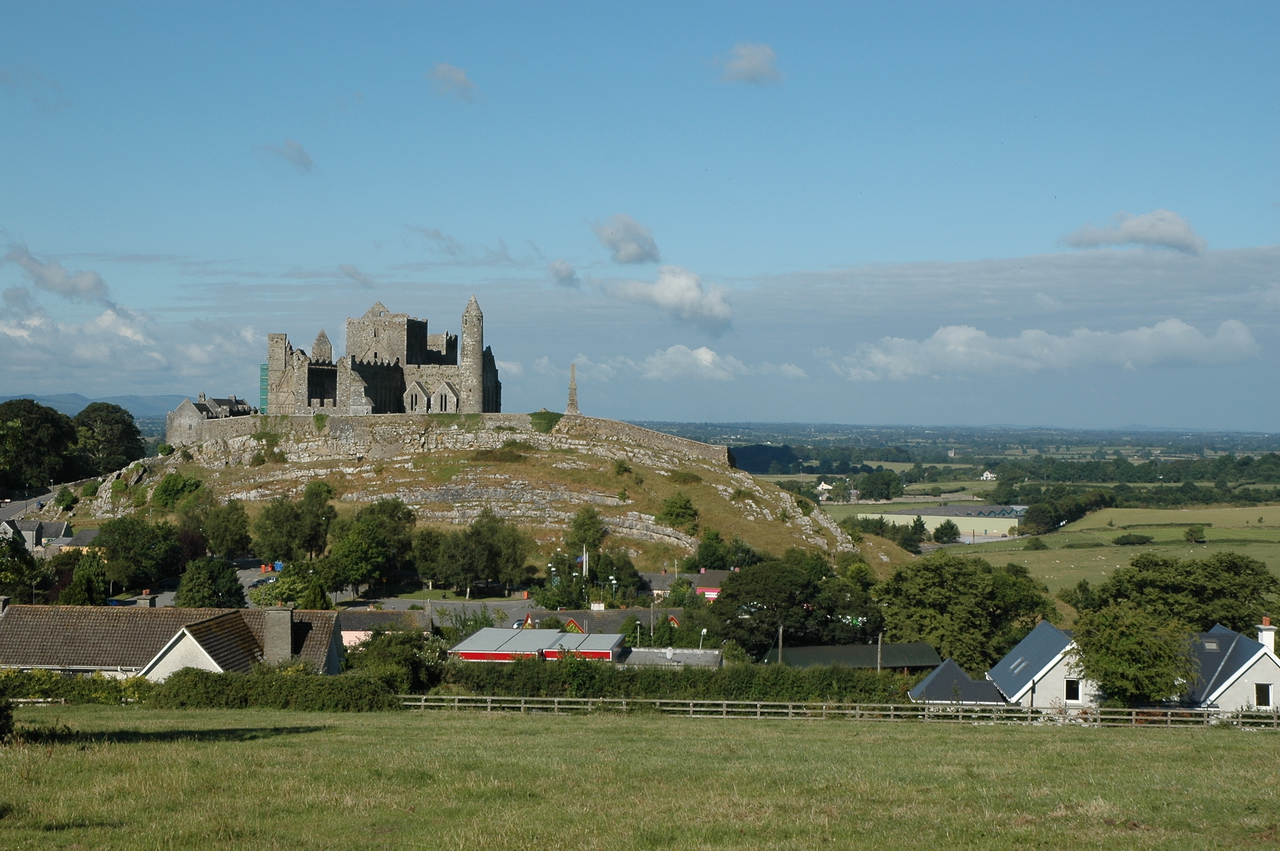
<point>946,714</point>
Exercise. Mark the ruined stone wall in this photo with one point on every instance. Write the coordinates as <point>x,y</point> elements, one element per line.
<point>310,438</point>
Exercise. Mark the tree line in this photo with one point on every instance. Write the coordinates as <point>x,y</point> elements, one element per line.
<point>40,446</point>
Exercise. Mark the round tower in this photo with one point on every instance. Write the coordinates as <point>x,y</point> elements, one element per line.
<point>471,360</point>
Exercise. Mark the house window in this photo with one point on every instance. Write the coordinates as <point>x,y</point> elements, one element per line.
<point>1073,690</point>
<point>1262,695</point>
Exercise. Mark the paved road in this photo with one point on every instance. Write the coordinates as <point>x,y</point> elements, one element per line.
<point>8,511</point>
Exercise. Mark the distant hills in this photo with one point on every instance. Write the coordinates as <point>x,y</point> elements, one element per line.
<point>142,407</point>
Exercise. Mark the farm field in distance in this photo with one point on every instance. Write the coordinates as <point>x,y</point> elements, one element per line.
<point>131,777</point>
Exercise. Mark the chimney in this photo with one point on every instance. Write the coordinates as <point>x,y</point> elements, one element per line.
<point>4,604</point>
<point>1267,635</point>
<point>277,634</point>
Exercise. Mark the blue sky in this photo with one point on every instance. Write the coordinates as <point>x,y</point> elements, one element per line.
<point>924,213</point>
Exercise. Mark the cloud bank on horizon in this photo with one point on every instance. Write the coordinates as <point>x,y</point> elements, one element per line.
<point>956,222</point>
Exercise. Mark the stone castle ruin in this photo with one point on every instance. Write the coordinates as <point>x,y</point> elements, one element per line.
<point>392,366</point>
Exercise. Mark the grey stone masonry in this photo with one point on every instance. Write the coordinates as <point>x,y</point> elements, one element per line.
<point>393,365</point>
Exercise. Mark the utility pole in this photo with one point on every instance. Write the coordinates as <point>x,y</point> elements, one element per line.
<point>879,647</point>
<point>779,644</point>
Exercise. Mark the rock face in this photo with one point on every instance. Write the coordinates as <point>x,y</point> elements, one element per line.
<point>376,455</point>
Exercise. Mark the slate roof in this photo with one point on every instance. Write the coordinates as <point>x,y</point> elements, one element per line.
<point>948,683</point>
<point>128,637</point>
<point>83,538</point>
<point>228,640</point>
<point>916,654</point>
<point>1005,511</point>
<point>1019,668</point>
<point>1220,655</point>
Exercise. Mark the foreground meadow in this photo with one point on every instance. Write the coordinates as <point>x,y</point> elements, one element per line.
<point>137,778</point>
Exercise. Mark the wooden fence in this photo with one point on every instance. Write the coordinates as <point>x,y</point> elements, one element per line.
<point>953,714</point>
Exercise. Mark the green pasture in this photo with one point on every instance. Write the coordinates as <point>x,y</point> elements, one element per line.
<point>133,778</point>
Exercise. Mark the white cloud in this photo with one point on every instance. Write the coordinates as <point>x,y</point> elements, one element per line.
<point>680,293</point>
<point>962,351</point>
<point>459,251</point>
<point>630,241</point>
<point>1158,229</point>
<point>356,275</point>
<point>563,273</point>
<point>752,63</point>
<point>684,362</point>
<point>85,286</point>
<point>451,80</point>
<point>510,368</point>
<point>294,154</point>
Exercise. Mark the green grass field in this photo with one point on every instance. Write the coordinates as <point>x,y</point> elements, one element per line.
<point>136,778</point>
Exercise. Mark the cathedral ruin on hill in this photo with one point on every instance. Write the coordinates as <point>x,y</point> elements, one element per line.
<point>392,366</point>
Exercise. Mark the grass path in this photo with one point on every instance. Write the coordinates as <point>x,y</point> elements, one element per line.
<point>138,778</point>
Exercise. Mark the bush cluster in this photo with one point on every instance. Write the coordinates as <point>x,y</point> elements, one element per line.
<point>50,685</point>
<point>191,688</point>
<point>581,678</point>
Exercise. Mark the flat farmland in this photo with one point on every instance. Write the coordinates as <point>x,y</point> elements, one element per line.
<point>129,777</point>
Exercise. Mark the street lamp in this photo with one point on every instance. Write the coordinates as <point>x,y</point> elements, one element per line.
<point>700,637</point>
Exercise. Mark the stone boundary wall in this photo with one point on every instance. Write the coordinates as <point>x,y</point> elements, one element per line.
<point>386,436</point>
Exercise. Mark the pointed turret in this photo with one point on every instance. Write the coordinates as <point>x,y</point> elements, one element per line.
<point>322,350</point>
<point>572,409</point>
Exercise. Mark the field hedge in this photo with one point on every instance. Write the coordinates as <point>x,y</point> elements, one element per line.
<point>191,688</point>
<point>580,678</point>
<point>50,685</point>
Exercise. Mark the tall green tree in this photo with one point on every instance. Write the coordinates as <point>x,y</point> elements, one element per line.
<point>22,576</point>
<point>1225,588</point>
<point>138,554</point>
<point>38,446</point>
<point>965,608</point>
<point>107,438</point>
<point>315,516</point>
<point>210,583</point>
<point>226,527</point>
<point>755,602</point>
<point>1135,656</point>
<point>88,582</point>
<point>678,512</point>
<point>276,531</point>
<point>587,530</point>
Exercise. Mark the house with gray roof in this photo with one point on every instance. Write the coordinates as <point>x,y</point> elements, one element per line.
<point>1039,672</point>
<point>1235,672</point>
<point>128,641</point>
<point>949,684</point>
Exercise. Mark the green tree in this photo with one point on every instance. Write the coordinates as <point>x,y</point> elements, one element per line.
<point>1225,588</point>
<point>88,582</point>
<point>38,447</point>
<point>1135,656</point>
<point>1195,534</point>
<point>678,513</point>
<point>210,583</point>
<point>587,530</point>
<point>276,531</point>
<point>107,438</point>
<point>360,556</point>
<point>65,498</point>
<point>172,488</point>
<point>754,602</point>
<point>138,554</point>
<point>226,527</point>
<point>315,598</point>
<point>316,515</point>
<point>21,575</point>
<point>946,533</point>
<point>965,608</point>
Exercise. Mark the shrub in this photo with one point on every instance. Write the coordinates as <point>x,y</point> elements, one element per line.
<point>6,719</point>
<point>172,488</point>
<point>164,449</point>
<point>65,498</point>
<point>621,468</point>
<point>498,456</point>
<point>1194,534</point>
<point>685,477</point>
<point>1035,544</point>
<point>1131,539</point>
<point>90,489</point>
<point>119,486</point>
<point>544,421</point>
<point>271,689</point>
<point>49,685</point>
